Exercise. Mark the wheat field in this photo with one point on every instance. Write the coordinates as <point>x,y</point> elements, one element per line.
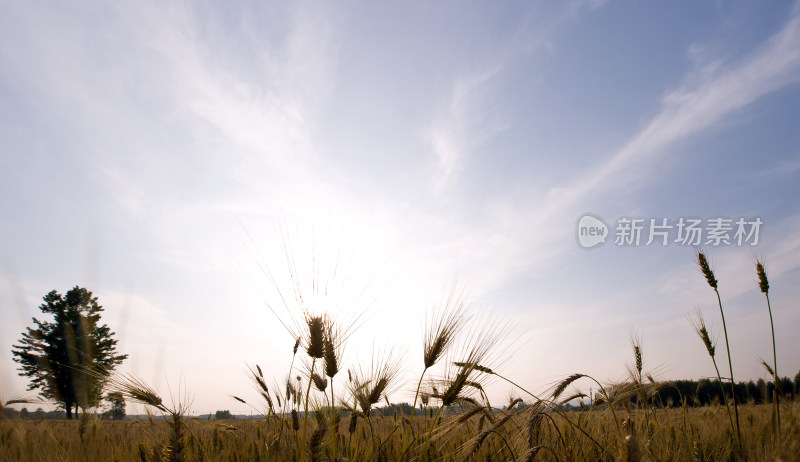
<point>324,411</point>
<point>699,434</point>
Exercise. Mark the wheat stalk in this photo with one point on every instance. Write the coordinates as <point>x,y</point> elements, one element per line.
<point>699,325</point>
<point>763,284</point>
<point>705,268</point>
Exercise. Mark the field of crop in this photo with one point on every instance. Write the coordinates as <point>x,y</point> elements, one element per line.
<point>349,414</point>
<point>522,433</point>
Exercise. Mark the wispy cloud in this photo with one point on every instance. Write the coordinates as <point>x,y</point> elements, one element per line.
<point>170,136</point>
<point>464,122</point>
<point>705,100</point>
<point>171,70</point>
<point>178,121</point>
<point>542,232</point>
<point>467,117</point>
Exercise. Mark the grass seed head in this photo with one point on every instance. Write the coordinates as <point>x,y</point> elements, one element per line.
<point>139,391</point>
<point>476,367</point>
<point>375,392</point>
<point>465,416</point>
<point>635,370</point>
<point>316,336</point>
<point>443,326</point>
<point>702,261</point>
<point>513,402</point>
<point>768,368</point>
<point>454,387</point>
<point>565,383</point>
<point>267,398</point>
<point>258,378</point>
<point>332,345</point>
<point>700,327</point>
<point>368,387</point>
<point>533,428</point>
<point>351,428</point>
<point>763,283</point>
<point>320,382</point>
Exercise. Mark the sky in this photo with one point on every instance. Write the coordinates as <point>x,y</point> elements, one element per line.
<point>172,158</point>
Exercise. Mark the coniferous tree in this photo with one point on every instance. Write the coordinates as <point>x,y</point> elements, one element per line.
<point>69,358</point>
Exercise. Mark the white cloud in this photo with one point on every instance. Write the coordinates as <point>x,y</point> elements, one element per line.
<point>700,104</point>
<point>464,122</point>
<point>707,97</point>
<point>704,101</point>
<point>217,128</point>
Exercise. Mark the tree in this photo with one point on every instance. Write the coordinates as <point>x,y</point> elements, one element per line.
<point>69,359</point>
<point>223,415</point>
<point>762,391</point>
<point>117,411</point>
<point>707,391</point>
<point>797,383</point>
<point>752,392</point>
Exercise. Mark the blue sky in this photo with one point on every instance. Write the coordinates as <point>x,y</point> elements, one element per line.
<point>151,153</point>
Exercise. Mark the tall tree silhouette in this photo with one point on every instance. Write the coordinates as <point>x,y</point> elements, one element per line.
<point>69,358</point>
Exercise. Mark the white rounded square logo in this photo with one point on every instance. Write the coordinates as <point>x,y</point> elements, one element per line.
<point>591,231</point>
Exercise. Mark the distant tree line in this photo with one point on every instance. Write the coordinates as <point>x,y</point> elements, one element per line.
<point>115,411</point>
<point>39,413</point>
<point>706,391</point>
<point>701,392</point>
